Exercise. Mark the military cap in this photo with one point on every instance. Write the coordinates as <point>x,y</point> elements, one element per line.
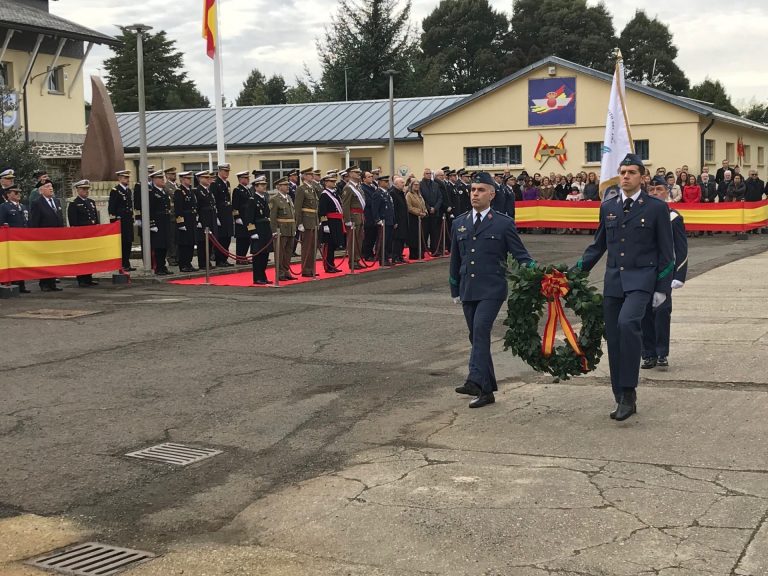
<point>484,178</point>
<point>38,173</point>
<point>243,174</point>
<point>123,173</point>
<point>308,170</point>
<point>658,181</point>
<point>187,174</point>
<point>82,184</point>
<point>499,174</point>
<point>203,174</point>
<point>353,168</point>
<point>171,170</point>
<point>13,188</point>
<point>150,167</point>
<point>224,166</point>
<point>157,174</point>
<point>46,181</point>
<point>376,171</point>
<point>260,179</point>
<point>294,172</point>
<point>316,172</point>
<point>450,172</point>
<point>445,168</point>
<point>281,181</point>
<point>380,178</point>
<point>632,160</point>
<point>329,176</point>
<point>8,173</point>
<point>343,173</point>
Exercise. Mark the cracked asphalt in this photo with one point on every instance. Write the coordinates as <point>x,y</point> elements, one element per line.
<point>346,451</point>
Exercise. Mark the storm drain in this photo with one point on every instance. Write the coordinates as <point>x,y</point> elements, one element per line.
<point>91,559</point>
<point>176,454</point>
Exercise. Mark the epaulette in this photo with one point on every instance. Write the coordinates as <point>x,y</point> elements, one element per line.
<point>655,198</point>
<point>507,216</point>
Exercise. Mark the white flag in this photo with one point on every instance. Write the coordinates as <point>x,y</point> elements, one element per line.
<point>617,142</point>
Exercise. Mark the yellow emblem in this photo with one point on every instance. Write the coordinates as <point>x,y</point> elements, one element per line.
<point>463,229</point>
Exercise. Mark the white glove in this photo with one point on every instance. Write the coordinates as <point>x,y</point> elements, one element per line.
<point>254,236</point>
<point>350,225</point>
<point>199,225</point>
<point>658,299</point>
<point>138,223</point>
<point>301,227</point>
<point>457,299</point>
<point>218,222</point>
<point>239,221</point>
<point>326,229</point>
<point>153,229</point>
<point>677,284</point>
<point>183,228</point>
<point>274,234</point>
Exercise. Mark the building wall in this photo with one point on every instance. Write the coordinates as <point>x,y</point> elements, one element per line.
<point>725,138</point>
<point>52,116</point>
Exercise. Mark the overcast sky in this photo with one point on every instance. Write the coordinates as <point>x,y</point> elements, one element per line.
<point>723,40</point>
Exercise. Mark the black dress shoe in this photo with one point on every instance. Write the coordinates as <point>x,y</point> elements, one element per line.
<point>613,414</point>
<point>663,362</point>
<point>469,388</point>
<point>260,282</point>
<point>129,269</point>
<point>627,405</point>
<point>648,363</point>
<point>307,275</point>
<point>482,400</point>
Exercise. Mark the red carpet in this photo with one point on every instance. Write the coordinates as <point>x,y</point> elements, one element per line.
<point>244,275</point>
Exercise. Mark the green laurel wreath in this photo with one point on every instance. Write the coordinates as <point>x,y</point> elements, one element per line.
<point>525,307</point>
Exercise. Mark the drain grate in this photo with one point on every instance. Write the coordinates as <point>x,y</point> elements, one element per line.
<point>176,454</point>
<point>91,559</point>
<point>53,314</point>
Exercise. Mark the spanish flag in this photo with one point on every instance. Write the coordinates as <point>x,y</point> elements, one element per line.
<point>209,26</point>
<point>32,253</point>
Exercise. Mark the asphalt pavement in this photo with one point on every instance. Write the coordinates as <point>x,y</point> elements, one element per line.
<point>345,449</point>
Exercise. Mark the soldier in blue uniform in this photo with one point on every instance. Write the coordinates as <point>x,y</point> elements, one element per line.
<point>226,223</point>
<point>82,211</point>
<point>14,215</point>
<point>256,220</point>
<point>120,208</point>
<point>481,241</point>
<point>634,229</point>
<point>159,221</point>
<point>241,196</point>
<point>186,220</point>
<point>383,211</point>
<point>656,323</point>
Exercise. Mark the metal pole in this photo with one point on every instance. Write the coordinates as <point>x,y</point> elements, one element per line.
<point>314,257</point>
<point>351,251</point>
<point>444,230</point>
<point>382,245</point>
<point>207,254</point>
<point>346,91</point>
<point>391,123</point>
<point>277,258</point>
<point>218,104</point>
<point>420,254</point>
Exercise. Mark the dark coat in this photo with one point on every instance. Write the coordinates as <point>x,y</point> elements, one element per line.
<point>241,196</point>
<point>479,257</point>
<point>120,207</point>
<point>256,220</point>
<point>220,190</point>
<point>13,215</point>
<point>401,213</point>
<point>432,194</point>
<point>368,193</point>
<point>43,216</point>
<point>82,212</point>
<point>680,242</point>
<point>383,207</point>
<point>462,198</point>
<point>206,208</point>
<point>185,210</point>
<point>639,245</point>
<point>708,191</point>
<point>326,206</point>
<point>755,189</point>
<point>159,210</point>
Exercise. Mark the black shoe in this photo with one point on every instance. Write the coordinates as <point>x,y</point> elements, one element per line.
<point>260,282</point>
<point>224,264</point>
<point>93,283</point>
<point>469,388</point>
<point>627,405</point>
<point>50,289</point>
<point>648,363</point>
<point>613,414</point>
<point>129,269</point>
<point>307,275</point>
<point>162,272</point>
<point>482,400</point>
<point>24,291</point>
<point>663,362</point>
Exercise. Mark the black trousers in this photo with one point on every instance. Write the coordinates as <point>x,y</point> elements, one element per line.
<point>480,316</point>
<point>259,266</point>
<point>369,241</point>
<point>431,230</point>
<point>84,278</point>
<point>623,334</point>
<point>656,328</point>
<point>389,233</point>
<point>174,233</point>
<point>127,244</point>
<point>242,245</point>
<point>160,263</point>
<point>225,240</point>
<point>201,251</point>
<point>185,255</point>
<point>397,248</point>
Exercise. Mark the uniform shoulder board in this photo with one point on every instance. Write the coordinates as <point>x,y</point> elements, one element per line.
<point>502,214</point>
<point>464,213</point>
<point>656,199</point>
<point>673,214</point>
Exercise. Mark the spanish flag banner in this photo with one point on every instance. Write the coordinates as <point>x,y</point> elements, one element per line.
<point>209,26</point>
<point>32,253</point>
<point>721,217</point>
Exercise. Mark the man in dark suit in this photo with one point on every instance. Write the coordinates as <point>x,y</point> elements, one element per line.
<point>433,198</point>
<point>656,323</point>
<point>206,216</point>
<point>481,241</point>
<point>82,211</point>
<point>46,213</point>
<point>634,229</point>
<point>120,208</point>
<point>226,223</point>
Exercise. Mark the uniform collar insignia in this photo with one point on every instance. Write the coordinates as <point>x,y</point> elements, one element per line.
<point>611,216</point>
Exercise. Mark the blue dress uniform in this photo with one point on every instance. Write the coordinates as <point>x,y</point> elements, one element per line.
<point>640,262</point>
<point>656,323</point>
<point>14,215</point>
<point>478,276</point>
<point>220,189</point>
<point>185,211</point>
<point>383,210</point>
<point>120,208</point>
<point>83,212</point>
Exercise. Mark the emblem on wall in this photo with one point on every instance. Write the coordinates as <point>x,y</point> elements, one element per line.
<point>544,151</point>
<point>552,101</point>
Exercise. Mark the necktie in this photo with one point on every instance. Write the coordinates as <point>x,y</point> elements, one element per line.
<point>478,219</point>
<point>627,205</point>
<point>53,206</point>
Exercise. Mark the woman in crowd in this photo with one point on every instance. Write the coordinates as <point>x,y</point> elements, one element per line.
<point>675,194</point>
<point>561,188</point>
<point>736,189</point>
<point>417,209</point>
<point>591,190</point>
<point>537,179</point>
<point>691,191</point>
<point>546,190</point>
<point>530,190</point>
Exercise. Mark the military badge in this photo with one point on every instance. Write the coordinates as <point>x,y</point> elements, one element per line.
<point>463,229</point>
<point>611,216</point>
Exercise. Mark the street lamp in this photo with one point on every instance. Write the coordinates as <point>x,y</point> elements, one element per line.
<point>146,254</point>
<point>391,74</point>
<point>24,96</point>
<point>346,90</point>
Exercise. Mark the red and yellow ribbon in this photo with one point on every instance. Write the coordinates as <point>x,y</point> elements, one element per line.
<point>555,286</point>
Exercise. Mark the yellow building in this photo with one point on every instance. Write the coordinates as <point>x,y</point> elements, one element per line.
<point>41,63</point>
<point>548,117</point>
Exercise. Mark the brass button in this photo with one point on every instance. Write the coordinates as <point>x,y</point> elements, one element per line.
<point>623,225</point>
<point>474,237</point>
<point>472,275</point>
<point>472,262</point>
<point>622,254</point>
<point>622,268</point>
<point>472,250</point>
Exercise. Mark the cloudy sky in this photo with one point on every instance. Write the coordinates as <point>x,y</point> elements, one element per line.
<point>722,40</point>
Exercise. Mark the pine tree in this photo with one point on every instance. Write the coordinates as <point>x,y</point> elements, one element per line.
<point>366,38</point>
<point>713,92</point>
<point>649,54</point>
<point>253,92</point>
<point>756,111</point>
<point>275,90</point>
<point>166,85</point>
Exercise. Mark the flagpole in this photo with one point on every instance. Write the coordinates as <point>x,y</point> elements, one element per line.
<point>220,150</point>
